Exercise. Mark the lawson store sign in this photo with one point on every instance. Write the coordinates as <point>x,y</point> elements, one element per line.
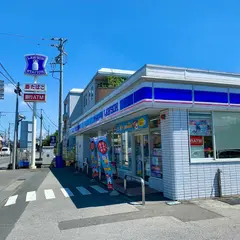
<point>165,94</point>
<point>141,94</point>
<point>97,117</point>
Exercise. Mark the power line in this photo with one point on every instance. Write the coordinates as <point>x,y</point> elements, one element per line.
<point>44,126</point>
<point>14,84</point>
<point>12,81</point>
<point>55,125</point>
<point>14,112</point>
<point>22,36</point>
<point>7,73</point>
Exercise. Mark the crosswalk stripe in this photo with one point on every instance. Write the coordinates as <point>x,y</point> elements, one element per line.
<point>11,200</point>
<point>83,191</point>
<point>99,189</point>
<point>31,196</point>
<point>66,192</point>
<point>49,194</point>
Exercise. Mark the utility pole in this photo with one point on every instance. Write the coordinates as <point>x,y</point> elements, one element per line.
<point>9,144</point>
<point>9,129</point>
<point>40,143</point>
<point>18,93</point>
<point>5,135</point>
<point>59,60</point>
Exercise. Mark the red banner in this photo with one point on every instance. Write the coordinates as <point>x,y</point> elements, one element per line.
<point>196,140</point>
<point>34,97</point>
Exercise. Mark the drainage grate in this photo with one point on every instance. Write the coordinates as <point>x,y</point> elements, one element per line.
<point>231,201</point>
<point>14,185</point>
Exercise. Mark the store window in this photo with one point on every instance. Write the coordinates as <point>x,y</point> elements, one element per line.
<point>85,100</point>
<point>201,139</point>
<point>227,134</point>
<point>126,156</point>
<point>156,154</point>
<point>116,142</point>
<point>154,122</point>
<point>92,93</point>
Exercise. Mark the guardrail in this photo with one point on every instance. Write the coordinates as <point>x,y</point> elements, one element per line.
<point>142,184</point>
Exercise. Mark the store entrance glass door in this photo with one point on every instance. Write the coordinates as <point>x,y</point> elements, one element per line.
<point>142,156</point>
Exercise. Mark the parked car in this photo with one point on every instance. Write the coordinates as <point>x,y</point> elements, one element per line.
<point>5,151</point>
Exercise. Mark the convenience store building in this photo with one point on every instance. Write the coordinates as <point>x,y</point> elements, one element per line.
<point>174,127</point>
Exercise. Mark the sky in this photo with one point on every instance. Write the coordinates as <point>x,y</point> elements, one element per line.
<point>122,34</point>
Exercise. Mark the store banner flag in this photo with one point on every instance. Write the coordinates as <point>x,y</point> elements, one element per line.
<point>104,155</point>
<point>94,159</point>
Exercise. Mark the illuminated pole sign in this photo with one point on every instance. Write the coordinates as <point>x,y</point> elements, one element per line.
<point>35,67</point>
<point>34,87</point>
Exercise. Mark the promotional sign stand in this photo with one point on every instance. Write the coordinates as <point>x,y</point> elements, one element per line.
<point>34,130</point>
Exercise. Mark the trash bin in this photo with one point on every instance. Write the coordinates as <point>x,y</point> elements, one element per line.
<point>59,162</point>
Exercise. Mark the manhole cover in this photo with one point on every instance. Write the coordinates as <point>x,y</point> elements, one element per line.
<point>231,201</point>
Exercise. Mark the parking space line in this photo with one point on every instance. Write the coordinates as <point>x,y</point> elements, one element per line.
<point>49,194</point>
<point>11,200</point>
<point>66,192</point>
<point>99,189</point>
<point>31,196</point>
<point>83,191</point>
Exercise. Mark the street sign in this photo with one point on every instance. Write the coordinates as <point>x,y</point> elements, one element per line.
<point>1,89</point>
<point>53,141</point>
<point>34,87</point>
<point>36,64</point>
<point>34,97</point>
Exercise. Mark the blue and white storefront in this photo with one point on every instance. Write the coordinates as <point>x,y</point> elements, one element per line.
<point>174,127</point>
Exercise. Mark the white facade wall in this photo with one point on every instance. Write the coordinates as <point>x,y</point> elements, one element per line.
<point>73,99</point>
<point>185,180</point>
<point>82,149</point>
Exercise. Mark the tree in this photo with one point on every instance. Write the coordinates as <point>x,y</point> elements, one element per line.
<point>115,81</point>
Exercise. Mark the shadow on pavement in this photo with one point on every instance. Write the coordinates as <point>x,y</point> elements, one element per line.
<point>69,179</point>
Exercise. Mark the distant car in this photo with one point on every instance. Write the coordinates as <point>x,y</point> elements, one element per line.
<point>5,151</point>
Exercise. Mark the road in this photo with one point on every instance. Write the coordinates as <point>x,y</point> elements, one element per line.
<point>4,161</point>
<point>58,204</point>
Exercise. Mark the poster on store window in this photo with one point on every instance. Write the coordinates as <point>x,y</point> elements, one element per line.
<point>201,127</point>
<point>104,156</point>
<point>94,159</point>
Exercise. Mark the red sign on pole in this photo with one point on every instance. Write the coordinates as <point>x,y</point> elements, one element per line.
<point>196,140</point>
<point>34,97</point>
<point>34,87</point>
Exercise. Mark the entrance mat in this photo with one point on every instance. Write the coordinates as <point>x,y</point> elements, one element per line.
<point>133,188</point>
<point>130,184</point>
<point>152,197</point>
<point>230,200</point>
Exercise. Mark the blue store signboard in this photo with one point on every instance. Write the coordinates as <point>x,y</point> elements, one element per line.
<point>53,141</point>
<point>133,124</point>
<point>36,65</point>
<point>111,109</point>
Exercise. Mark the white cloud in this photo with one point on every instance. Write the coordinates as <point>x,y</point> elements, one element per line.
<point>23,104</point>
<point>8,88</point>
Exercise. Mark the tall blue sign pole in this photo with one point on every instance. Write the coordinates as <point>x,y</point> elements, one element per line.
<point>35,67</point>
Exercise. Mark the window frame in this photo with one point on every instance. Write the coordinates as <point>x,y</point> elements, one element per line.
<point>92,92</point>
<point>214,159</point>
<point>196,160</point>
